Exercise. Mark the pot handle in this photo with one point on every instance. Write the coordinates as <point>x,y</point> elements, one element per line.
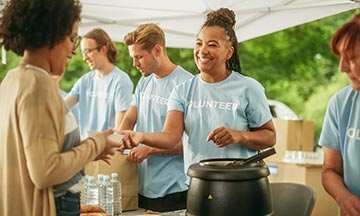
<point>259,156</point>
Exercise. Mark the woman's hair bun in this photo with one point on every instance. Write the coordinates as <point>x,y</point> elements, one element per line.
<point>224,14</point>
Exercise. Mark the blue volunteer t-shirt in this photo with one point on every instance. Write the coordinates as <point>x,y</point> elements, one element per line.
<point>159,175</point>
<point>341,131</point>
<point>100,98</point>
<point>238,103</point>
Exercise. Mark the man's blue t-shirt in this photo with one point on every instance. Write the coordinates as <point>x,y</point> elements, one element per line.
<point>100,98</point>
<point>159,175</point>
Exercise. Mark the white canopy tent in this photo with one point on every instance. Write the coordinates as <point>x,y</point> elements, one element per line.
<point>181,20</point>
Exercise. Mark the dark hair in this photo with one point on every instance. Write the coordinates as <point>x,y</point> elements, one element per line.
<point>32,24</point>
<point>225,18</point>
<point>147,35</point>
<point>103,39</point>
<point>349,33</point>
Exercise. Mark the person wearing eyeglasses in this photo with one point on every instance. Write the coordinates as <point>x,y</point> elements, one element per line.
<point>103,94</point>
<point>33,113</point>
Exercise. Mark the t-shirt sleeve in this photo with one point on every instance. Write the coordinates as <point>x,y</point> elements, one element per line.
<point>75,90</point>
<point>258,111</point>
<point>123,94</point>
<point>329,136</point>
<point>176,99</point>
<point>136,96</point>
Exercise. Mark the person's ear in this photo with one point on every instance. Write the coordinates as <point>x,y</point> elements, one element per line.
<point>157,49</point>
<point>230,53</point>
<point>103,49</point>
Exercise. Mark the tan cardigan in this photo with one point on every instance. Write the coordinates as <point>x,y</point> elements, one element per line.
<point>31,134</point>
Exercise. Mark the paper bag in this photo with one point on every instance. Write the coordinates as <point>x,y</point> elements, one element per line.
<point>128,175</point>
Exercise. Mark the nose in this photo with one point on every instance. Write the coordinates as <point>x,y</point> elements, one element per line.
<point>84,56</point>
<point>135,62</point>
<point>202,48</point>
<point>344,65</point>
<point>74,51</point>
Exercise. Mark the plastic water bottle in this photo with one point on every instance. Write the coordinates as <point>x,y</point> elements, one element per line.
<point>83,194</point>
<point>117,194</point>
<point>92,192</point>
<point>106,196</point>
<point>100,179</point>
<point>102,194</point>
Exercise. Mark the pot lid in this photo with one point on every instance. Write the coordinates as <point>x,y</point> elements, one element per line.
<point>228,169</point>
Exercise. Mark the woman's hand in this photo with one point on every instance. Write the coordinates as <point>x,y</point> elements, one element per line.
<point>110,145</point>
<point>139,154</point>
<point>222,137</point>
<point>350,206</point>
<point>130,139</point>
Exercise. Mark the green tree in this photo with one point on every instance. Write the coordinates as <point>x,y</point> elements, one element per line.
<point>11,61</point>
<point>316,105</point>
<point>291,64</point>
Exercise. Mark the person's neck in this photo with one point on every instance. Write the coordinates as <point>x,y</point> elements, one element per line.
<point>216,76</point>
<point>166,68</point>
<point>38,58</point>
<point>105,69</point>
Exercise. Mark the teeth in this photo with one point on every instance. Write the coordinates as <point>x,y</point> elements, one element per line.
<point>204,60</point>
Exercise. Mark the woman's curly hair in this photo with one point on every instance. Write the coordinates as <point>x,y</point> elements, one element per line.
<point>32,24</point>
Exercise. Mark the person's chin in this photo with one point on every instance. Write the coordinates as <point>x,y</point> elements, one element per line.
<point>91,65</point>
<point>144,73</point>
<point>57,72</point>
<point>355,86</point>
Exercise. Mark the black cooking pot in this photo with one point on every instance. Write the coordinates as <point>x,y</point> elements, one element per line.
<point>230,187</point>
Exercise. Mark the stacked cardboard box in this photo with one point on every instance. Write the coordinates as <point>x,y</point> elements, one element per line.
<point>292,135</point>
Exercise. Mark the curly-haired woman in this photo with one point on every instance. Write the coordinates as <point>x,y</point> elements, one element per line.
<point>33,113</point>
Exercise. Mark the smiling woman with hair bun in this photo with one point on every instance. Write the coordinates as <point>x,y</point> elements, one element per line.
<point>224,113</point>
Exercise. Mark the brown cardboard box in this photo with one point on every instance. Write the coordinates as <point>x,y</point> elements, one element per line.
<point>128,175</point>
<point>309,175</point>
<point>292,135</point>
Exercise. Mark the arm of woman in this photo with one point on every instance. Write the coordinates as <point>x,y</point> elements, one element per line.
<point>168,138</point>
<point>333,182</point>
<point>257,138</point>
<point>139,154</point>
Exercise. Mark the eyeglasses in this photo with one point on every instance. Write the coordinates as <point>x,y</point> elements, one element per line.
<point>88,51</point>
<point>76,41</point>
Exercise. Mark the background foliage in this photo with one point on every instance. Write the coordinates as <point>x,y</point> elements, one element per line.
<point>294,65</point>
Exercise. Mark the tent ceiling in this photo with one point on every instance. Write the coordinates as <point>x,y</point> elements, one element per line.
<point>181,20</point>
